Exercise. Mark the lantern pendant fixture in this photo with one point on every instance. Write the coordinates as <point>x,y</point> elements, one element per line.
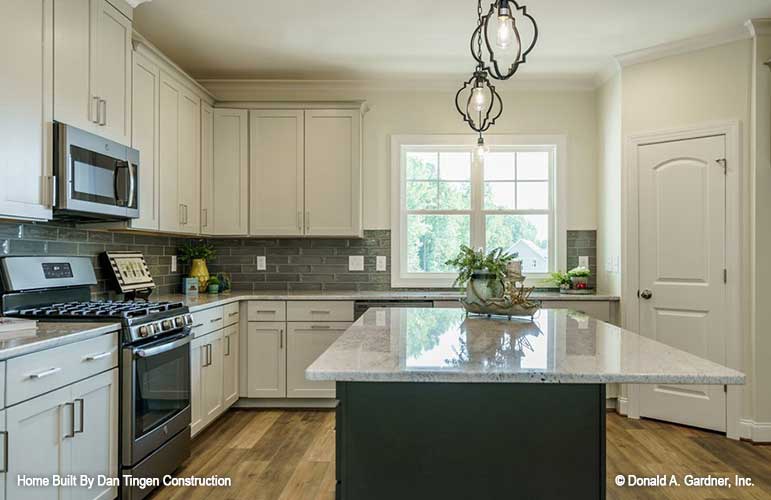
<point>501,19</point>
<point>478,102</point>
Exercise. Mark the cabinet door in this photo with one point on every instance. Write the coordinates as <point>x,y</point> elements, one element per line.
<point>76,100</point>
<point>207,169</point>
<point>144,137</point>
<point>26,30</point>
<point>333,173</point>
<point>4,462</point>
<point>266,360</point>
<point>168,125</point>
<point>230,183</point>
<point>276,163</point>
<point>111,71</point>
<point>230,365</point>
<point>95,445</point>
<point>40,433</point>
<point>197,360</point>
<point>190,161</point>
<point>212,377</point>
<point>305,343</point>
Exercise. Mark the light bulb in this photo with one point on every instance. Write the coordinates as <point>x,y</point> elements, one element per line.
<point>505,34</point>
<point>478,101</point>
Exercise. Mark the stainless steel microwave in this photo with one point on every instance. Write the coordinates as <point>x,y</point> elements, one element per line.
<point>95,178</point>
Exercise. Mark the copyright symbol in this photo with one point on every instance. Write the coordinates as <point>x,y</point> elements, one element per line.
<point>620,480</point>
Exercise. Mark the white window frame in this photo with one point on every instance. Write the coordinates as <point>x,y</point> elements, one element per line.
<point>400,144</point>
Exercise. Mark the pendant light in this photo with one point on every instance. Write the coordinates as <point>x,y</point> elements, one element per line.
<point>498,33</point>
<point>478,102</point>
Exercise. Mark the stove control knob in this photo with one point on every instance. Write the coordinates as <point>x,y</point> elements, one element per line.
<point>179,321</point>
<point>188,319</point>
<point>144,331</point>
<point>166,324</point>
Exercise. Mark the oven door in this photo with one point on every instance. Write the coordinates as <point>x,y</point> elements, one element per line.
<point>156,395</point>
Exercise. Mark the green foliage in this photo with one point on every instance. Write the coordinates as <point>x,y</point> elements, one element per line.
<point>579,272</point>
<point>213,281</point>
<point>470,261</point>
<point>196,250</point>
<point>558,278</point>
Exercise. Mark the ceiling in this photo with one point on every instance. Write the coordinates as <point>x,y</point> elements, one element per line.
<point>364,39</point>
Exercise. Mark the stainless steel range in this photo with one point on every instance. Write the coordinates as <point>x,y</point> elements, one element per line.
<point>155,359</point>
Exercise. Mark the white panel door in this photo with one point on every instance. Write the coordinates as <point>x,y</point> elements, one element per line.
<point>144,137</point>
<point>333,172</point>
<point>26,31</point>
<point>211,379</point>
<point>112,71</point>
<point>190,161</point>
<point>168,125</point>
<point>40,432</point>
<point>682,258</point>
<point>207,168</point>
<point>95,445</point>
<point>305,343</point>
<point>230,184</point>
<point>230,366</point>
<point>266,360</point>
<point>197,361</point>
<point>276,163</point>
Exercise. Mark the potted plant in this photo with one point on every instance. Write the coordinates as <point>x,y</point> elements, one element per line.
<point>579,277</point>
<point>196,253</point>
<point>560,279</point>
<point>483,273</point>
<point>214,285</point>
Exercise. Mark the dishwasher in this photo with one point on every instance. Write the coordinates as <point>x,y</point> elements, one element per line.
<point>361,306</point>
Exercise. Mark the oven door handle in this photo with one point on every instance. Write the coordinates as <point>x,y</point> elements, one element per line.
<point>154,351</point>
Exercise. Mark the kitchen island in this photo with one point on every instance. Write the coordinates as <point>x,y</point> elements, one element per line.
<point>436,405</point>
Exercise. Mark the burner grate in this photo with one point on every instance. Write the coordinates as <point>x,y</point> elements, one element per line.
<point>105,309</point>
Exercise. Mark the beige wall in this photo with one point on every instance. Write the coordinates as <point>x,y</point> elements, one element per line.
<point>571,113</point>
<point>609,186</point>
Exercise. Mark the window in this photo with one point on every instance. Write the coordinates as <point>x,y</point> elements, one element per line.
<point>443,198</point>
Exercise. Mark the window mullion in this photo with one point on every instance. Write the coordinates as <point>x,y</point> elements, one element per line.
<point>477,202</point>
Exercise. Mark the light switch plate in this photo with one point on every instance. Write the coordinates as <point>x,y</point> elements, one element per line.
<point>261,263</point>
<point>356,263</point>
<point>380,263</point>
<point>173,263</point>
<point>583,261</point>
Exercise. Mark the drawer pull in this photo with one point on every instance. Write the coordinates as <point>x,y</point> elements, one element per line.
<point>321,312</point>
<point>72,420</point>
<point>215,320</point>
<point>82,416</point>
<point>233,314</point>
<point>96,357</point>
<point>320,327</point>
<point>227,345</point>
<point>45,373</point>
<point>199,325</point>
<point>266,311</point>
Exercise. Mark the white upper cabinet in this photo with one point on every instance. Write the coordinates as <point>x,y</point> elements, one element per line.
<point>171,209</point>
<point>333,173</point>
<point>189,180</point>
<point>228,184</point>
<point>207,168</point>
<point>26,30</point>
<point>277,173</point>
<point>144,137</point>
<point>92,75</point>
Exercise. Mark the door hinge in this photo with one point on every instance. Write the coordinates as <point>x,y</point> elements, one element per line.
<point>723,163</point>
<point>725,275</point>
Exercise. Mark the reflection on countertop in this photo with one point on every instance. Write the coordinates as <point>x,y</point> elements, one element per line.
<point>558,346</point>
<point>50,334</point>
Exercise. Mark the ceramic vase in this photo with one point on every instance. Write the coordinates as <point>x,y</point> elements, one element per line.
<point>482,287</point>
<point>199,270</point>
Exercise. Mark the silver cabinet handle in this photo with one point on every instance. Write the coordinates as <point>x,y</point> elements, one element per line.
<point>230,315</point>
<point>96,357</point>
<point>205,217</point>
<point>308,220</point>
<point>204,357</point>
<point>44,373</point>
<point>186,214</point>
<point>321,311</point>
<point>102,116</point>
<point>320,327</point>
<point>181,213</point>
<point>82,416</point>
<point>208,354</point>
<point>198,325</point>
<point>72,420</point>
<point>94,111</point>
<point>281,339</point>
<point>265,311</point>
<point>299,220</point>
<point>215,320</point>
<point>5,452</point>
<point>227,345</point>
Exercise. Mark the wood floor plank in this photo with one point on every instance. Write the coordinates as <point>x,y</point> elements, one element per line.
<point>290,455</point>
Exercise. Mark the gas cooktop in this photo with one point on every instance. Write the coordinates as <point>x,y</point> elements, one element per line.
<point>99,310</point>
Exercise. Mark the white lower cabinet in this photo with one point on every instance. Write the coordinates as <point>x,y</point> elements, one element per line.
<point>207,363</point>
<point>4,466</point>
<point>197,360</point>
<point>266,360</point>
<point>305,343</point>
<point>231,355</point>
<point>72,430</point>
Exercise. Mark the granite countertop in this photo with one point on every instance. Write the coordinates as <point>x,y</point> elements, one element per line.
<point>559,346</point>
<point>205,300</point>
<point>51,334</point>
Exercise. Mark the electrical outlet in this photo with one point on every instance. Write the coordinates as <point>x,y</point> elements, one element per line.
<point>261,263</point>
<point>356,263</point>
<point>173,263</point>
<point>380,263</point>
<point>583,261</point>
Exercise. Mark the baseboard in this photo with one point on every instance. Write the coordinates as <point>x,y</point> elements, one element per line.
<point>757,432</point>
<point>623,405</point>
<point>285,403</point>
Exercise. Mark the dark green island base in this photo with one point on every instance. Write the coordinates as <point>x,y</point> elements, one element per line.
<point>453,441</point>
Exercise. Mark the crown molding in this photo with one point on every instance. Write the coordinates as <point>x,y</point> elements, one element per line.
<point>683,46</point>
<point>759,27</point>
<point>608,71</point>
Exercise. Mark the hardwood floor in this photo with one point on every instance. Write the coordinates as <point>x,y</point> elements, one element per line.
<point>288,455</point>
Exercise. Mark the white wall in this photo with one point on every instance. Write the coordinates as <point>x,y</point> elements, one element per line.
<point>609,185</point>
<point>571,113</point>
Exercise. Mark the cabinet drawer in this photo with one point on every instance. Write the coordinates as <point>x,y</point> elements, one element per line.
<point>44,371</point>
<point>208,321</point>
<point>266,310</point>
<point>319,310</point>
<point>231,313</point>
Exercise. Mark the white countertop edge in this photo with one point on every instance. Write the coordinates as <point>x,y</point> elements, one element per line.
<point>42,345</point>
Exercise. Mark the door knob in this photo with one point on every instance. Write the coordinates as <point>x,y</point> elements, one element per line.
<point>646,294</point>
